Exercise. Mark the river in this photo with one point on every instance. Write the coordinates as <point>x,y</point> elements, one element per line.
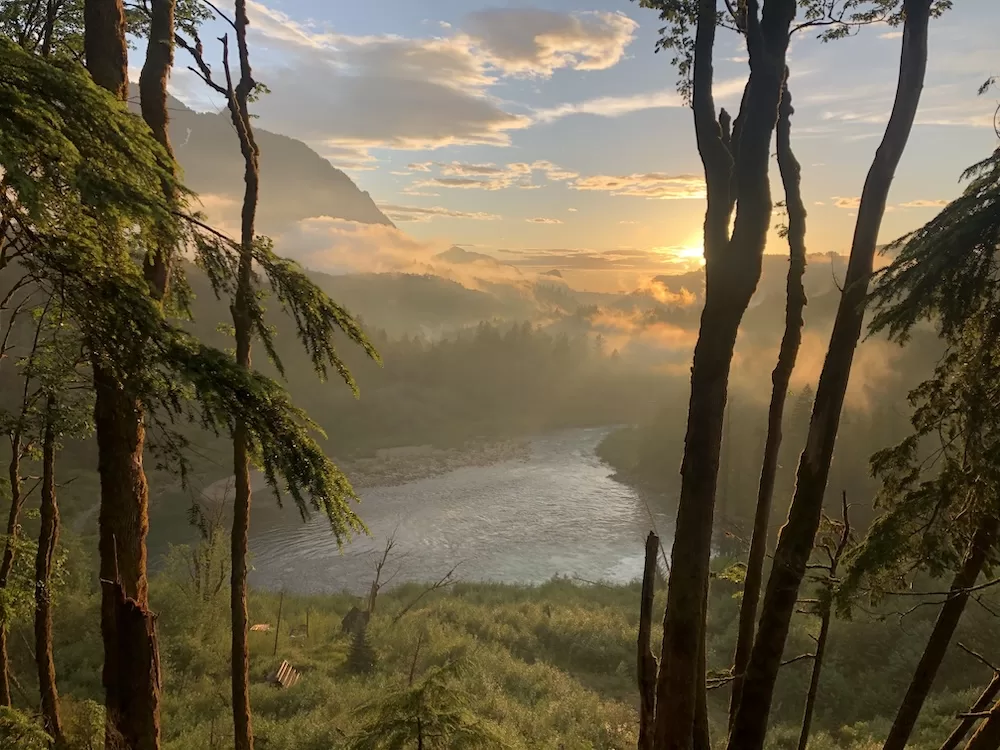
<point>556,512</point>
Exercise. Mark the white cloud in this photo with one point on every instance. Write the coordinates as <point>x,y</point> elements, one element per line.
<point>649,185</point>
<point>348,94</point>
<point>466,176</point>
<point>424,214</point>
<point>616,106</point>
<point>535,42</point>
<point>923,203</point>
<point>544,220</point>
<point>840,202</point>
<point>337,246</point>
<point>891,35</point>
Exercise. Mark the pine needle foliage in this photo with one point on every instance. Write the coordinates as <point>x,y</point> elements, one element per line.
<point>432,713</point>
<point>83,189</point>
<point>944,478</point>
<point>948,270</point>
<point>361,658</point>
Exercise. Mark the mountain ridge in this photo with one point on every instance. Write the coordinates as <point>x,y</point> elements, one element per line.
<point>296,182</point>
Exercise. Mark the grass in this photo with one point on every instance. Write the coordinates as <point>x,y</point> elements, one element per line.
<point>552,666</point>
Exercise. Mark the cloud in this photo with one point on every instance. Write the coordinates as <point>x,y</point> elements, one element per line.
<point>616,106</point>
<point>535,42</point>
<point>649,185</point>
<point>891,35</point>
<point>923,203</point>
<point>462,175</point>
<point>348,94</point>
<point>544,220</point>
<point>571,210</point>
<point>846,202</point>
<point>422,214</point>
<point>338,246</point>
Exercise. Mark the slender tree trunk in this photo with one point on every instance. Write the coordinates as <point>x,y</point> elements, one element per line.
<point>982,704</point>
<point>48,536</point>
<point>791,178</point>
<point>646,667</point>
<point>987,737</point>
<point>796,539</point>
<point>243,325</point>
<point>153,99</point>
<point>131,673</point>
<point>810,707</point>
<point>732,270</point>
<point>7,563</point>
<point>944,629</point>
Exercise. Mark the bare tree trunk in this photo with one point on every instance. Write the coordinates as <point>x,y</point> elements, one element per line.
<point>987,737</point>
<point>104,45</point>
<point>944,629</point>
<point>791,178</point>
<point>7,563</point>
<point>131,673</point>
<point>48,536</point>
<point>732,270</point>
<point>982,704</point>
<point>243,325</point>
<point>153,99</point>
<point>131,670</point>
<point>810,707</point>
<point>646,667</point>
<point>796,539</point>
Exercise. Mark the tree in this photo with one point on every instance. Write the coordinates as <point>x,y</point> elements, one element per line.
<point>431,712</point>
<point>735,156</point>
<point>316,316</point>
<point>791,178</point>
<point>796,539</point>
<point>939,485</point>
<point>131,678</point>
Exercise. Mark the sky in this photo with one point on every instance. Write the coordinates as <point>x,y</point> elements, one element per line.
<point>548,134</point>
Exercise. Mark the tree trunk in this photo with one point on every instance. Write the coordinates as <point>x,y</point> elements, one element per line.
<point>153,99</point>
<point>7,564</point>
<point>796,539</point>
<point>104,45</point>
<point>131,673</point>
<point>732,270</point>
<point>48,536</point>
<point>810,707</point>
<point>944,629</point>
<point>982,704</point>
<point>646,666</point>
<point>987,737</point>
<point>243,325</point>
<point>791,178</point>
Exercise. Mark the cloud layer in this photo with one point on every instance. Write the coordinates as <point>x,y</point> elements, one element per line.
<point>348,94</point>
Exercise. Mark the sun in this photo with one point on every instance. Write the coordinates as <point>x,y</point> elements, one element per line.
<point>688,254</point>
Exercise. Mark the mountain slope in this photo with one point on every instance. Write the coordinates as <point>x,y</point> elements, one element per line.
<point>296,182</point>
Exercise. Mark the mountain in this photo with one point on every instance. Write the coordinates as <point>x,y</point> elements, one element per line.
<point>459,256</point>
<point>296,182</point>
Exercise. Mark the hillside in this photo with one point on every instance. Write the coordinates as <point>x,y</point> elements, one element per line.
<point>296,182</point>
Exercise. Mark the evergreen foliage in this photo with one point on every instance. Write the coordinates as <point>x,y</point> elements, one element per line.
<point>361,659</point>
<point>433,713</point>
<point>19,731</point>
<point>948,270</point>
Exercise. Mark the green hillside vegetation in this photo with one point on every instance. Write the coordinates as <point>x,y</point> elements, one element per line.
<point>540,668</point>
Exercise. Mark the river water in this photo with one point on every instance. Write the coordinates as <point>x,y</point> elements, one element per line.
<point>558,512</point>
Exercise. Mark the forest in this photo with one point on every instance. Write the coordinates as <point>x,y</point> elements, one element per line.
<point>829,580</point>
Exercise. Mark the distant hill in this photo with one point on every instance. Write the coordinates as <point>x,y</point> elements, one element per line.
<point>297,183</point>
